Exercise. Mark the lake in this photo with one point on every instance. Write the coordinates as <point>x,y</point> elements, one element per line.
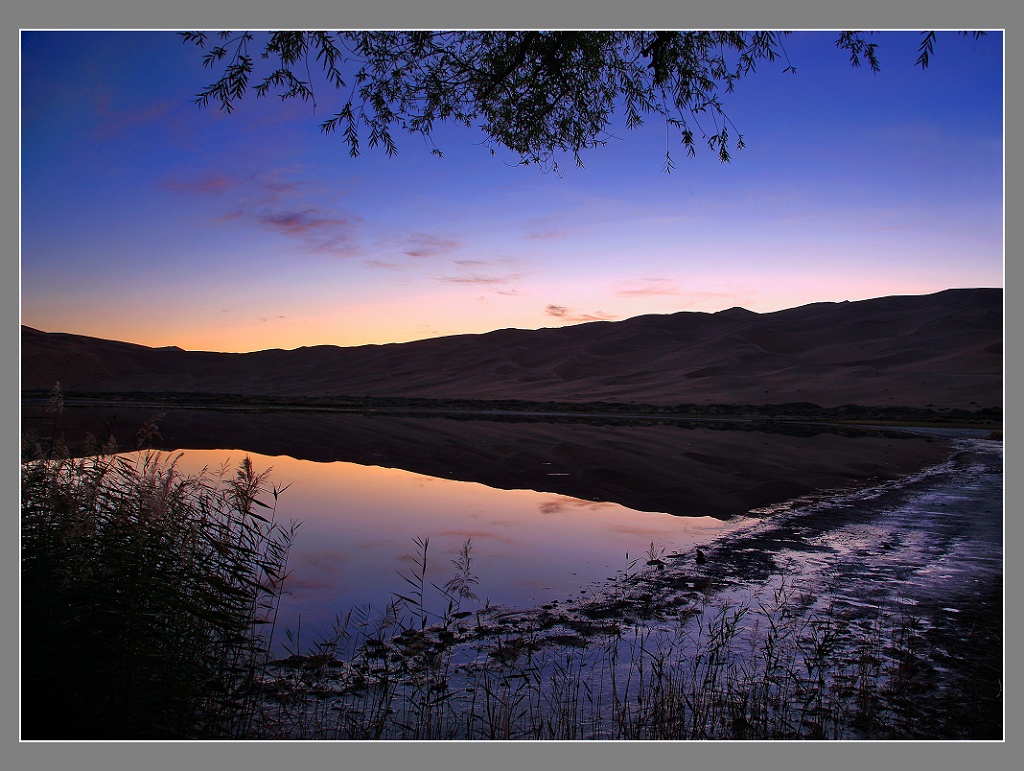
<point>553,510</point>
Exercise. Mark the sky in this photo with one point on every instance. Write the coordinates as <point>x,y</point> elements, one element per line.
<point>149,220</point>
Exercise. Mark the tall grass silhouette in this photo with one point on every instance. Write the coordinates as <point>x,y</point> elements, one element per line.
<point>148,597</point>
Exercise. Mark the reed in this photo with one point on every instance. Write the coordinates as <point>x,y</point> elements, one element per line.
<point>148,597</point>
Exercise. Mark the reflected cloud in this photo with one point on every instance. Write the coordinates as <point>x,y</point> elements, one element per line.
<point>321,570</point>
<point>478,536</point>
<point>634,531</point>
<point>561,505</point>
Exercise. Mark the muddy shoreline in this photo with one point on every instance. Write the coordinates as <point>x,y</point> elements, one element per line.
<point>928,548</point>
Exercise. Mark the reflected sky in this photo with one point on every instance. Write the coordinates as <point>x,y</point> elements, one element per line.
<point>359,522</point>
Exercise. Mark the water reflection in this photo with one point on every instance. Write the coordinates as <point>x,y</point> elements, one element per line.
<point>687,469</point>
<point>359,522</point>
<point>550,507</point>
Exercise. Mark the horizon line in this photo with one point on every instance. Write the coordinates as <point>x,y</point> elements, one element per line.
<point>519,329</point>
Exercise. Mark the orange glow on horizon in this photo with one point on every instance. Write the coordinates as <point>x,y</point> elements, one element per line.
<point>380,324</point>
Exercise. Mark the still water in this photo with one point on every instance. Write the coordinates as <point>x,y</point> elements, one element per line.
<point>552,509</point>
<point>528,547</point>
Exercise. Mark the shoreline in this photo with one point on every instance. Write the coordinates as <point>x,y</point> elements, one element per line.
<point>855,416</point>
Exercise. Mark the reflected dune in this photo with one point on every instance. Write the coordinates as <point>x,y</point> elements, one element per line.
<point>684,469</point>
<point>359,522</point>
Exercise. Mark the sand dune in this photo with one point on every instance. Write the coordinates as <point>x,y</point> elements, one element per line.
<point>940,350</point>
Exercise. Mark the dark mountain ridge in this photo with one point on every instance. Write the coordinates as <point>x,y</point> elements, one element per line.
<point>942,350</point>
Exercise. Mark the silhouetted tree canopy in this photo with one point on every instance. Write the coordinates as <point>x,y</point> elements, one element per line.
<point>536,93</point>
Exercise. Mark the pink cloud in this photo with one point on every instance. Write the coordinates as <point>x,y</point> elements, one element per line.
<point>427,245</point>
<point>318,231</point>
<point>567,314</point>
<point>383,265</point>
<point>543,235</point>
<point>649,286</point>
<point>255,189</point>
<point>544,228</point>
<point>273,202</point>
<point>204,186</point>
<point>486,280</point>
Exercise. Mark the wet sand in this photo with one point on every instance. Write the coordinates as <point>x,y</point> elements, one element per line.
<point>930,546</point>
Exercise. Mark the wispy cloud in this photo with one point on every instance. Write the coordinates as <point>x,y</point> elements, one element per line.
<point>207,185</point>
<point>319,231</point>
<point>664,287</point>
<point>544,228</point>
<point>383,265</point>
<point>543,235</point>
<point>114,120</point>
<point>649,286</point>
<point>428,245</point>
<point>568,314</point>
<point>398,243</point>
<point>485,280</point>
<point>499,274</point>
<point>263,188</point>
<point>276,201</point>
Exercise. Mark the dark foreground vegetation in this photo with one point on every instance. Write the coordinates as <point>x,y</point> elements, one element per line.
<point>147,597</point>
<point>148,607</point>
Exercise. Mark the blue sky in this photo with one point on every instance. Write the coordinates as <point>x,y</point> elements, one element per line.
<point>149,220</point>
